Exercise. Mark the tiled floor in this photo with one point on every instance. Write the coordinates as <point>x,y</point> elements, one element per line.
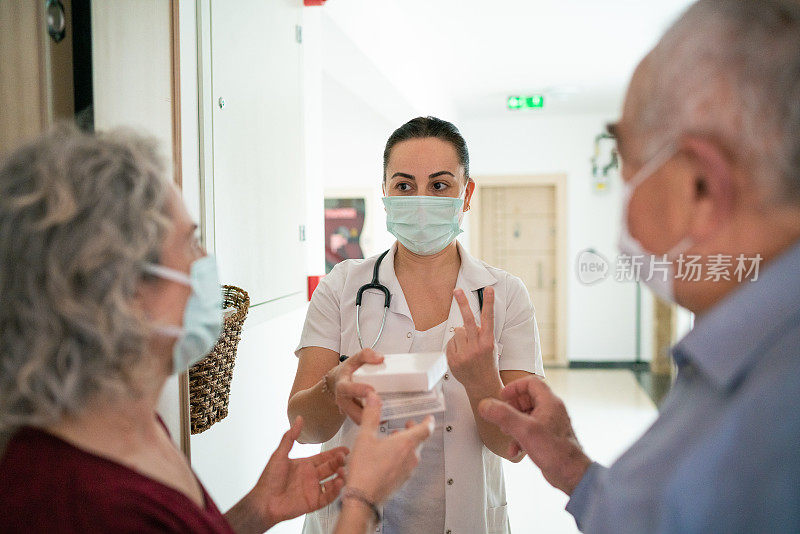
<point>609,410</point>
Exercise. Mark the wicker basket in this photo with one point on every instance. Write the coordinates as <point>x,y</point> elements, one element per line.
<point>210,378</point>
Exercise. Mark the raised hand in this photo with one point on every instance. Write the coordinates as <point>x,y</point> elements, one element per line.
<point>537,419</point>
<point>470,352</point>
<point>379,466</point>
<point>288,488</point>
<point>348,394</point>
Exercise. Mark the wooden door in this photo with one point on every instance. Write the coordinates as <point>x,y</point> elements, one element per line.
<point>35,73</point>
<point>519,232</point>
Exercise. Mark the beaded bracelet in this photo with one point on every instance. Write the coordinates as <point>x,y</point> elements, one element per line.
<point>353,493</point>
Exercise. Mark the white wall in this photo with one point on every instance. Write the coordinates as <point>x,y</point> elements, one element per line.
<point>601,319</point>
<point>397,72</point>
<point>353,157</point>
<point>131,70</point>
<point>361,107</point>
<point>314,140</point>
<point>229,457</point>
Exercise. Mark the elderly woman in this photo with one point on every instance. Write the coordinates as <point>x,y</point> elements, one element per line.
<point>105,292</point>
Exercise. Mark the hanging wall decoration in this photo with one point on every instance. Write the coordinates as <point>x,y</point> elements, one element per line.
<point>605,162</point>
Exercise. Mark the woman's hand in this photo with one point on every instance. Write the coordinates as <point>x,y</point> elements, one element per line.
<point>289,488</point>
<point>348,394</point>
<point>379,466</point>
<point>470,352</point>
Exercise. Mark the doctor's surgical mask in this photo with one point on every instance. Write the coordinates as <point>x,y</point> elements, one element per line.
<point>202,317</point>
<point>424,225</point>
<point>663,286</point>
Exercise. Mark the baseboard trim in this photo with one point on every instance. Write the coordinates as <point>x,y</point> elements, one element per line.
<point>631,366</point>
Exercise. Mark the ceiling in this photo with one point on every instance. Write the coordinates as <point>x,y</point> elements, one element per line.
<point>470,55</point>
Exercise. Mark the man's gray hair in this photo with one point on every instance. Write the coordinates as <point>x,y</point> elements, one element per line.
<point>79,214</point>
<point>730,70</point>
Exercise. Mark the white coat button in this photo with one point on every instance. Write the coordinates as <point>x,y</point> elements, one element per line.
<point>449,481</point>
<point>449,428</point>
<point>446,376</point>
<point>452,329</point>
<point>408,335</point>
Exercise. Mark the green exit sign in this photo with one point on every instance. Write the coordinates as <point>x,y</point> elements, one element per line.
<point>526,102</point>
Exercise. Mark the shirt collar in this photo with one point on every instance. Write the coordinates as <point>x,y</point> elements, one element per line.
<point>728,339</point>
<point>472,275</point>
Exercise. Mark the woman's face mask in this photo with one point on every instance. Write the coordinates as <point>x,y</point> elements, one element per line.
<point>202,317</point>
<point>424,225</point>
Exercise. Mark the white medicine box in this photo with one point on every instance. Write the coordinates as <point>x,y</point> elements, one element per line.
<point>404,373</point>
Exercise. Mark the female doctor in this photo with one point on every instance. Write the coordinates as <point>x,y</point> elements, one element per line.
<point>441,299</point>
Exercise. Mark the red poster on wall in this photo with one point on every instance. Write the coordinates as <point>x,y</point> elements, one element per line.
<point>344,222</point>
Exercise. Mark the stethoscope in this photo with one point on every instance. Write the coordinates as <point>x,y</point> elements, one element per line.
<point>387,299</point>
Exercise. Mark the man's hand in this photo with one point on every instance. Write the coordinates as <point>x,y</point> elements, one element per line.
<point>348,394</point>
<point>470,352</point>
<point>289,488</point>
<point>539,423</point>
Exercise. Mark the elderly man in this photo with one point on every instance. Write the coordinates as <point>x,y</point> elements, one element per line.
<point>710,139</point>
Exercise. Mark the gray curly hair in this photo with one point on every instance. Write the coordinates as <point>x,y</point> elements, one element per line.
<point>79,214</point>
<point>730,69</point>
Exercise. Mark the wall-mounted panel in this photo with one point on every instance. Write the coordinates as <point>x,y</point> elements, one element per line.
<point>255,103</point>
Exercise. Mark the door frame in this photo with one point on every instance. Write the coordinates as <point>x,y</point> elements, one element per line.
<point>177,176</point>
<point>559,182</point>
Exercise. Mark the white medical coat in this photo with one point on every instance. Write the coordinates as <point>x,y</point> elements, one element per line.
<point>475,489</point>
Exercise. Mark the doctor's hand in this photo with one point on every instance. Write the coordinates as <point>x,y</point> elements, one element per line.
<point>470,352</point>
<point>288,488</point>
<point>377,467</point>
<point>348,394</point>
<point>537,419</point>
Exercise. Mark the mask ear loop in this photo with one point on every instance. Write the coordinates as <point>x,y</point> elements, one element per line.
<point>464,204</point>
<point>647,171</point>
<point>649,168</point>
<point>168,330</point>
<point>167,273</point>
<point>176,276</point>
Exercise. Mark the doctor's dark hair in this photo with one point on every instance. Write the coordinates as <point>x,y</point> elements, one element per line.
<point>423,127</point>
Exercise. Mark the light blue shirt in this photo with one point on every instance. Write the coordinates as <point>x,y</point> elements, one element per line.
<point>724,454</point>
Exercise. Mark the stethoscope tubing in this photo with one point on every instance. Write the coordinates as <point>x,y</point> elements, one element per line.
<point>374,284</point>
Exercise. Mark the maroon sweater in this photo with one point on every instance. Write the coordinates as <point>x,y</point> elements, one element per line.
<point>48,485</point>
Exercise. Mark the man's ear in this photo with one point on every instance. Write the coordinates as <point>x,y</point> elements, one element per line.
<point>714,189</point>
<point>468,194</point>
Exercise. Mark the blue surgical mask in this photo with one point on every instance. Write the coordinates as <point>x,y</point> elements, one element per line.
<point>202,317</point>
<point>424,225</point>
